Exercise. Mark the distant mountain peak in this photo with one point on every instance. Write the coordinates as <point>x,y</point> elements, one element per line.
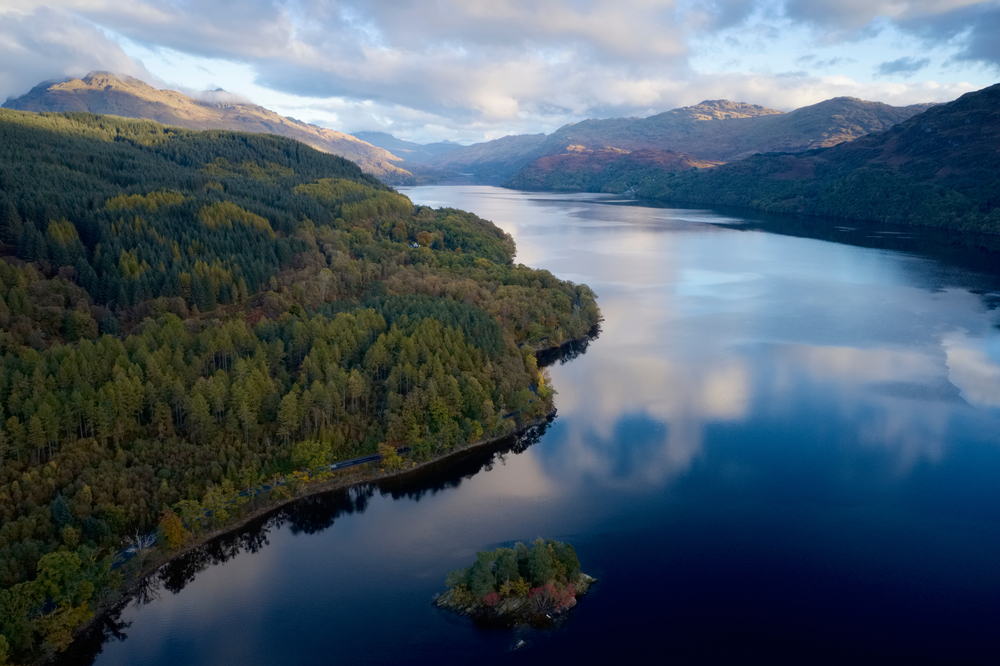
<point>722,109</point>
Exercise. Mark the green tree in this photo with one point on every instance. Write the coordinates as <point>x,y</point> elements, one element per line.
<point>482,575</point>
<point>542,562</point>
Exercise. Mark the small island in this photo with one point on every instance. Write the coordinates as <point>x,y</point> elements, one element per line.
<point>524,584</point>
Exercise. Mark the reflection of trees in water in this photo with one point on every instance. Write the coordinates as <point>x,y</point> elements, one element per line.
<point>450,472</point>
<point>309,515</point>
<point>316,513</point>
<point>969,250</point>
<point>146,591</point>
<point>180,571</point>
<point>84,649</point>
<point>568,351</point>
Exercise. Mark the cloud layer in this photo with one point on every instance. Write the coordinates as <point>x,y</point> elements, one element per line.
<point>500,66</point>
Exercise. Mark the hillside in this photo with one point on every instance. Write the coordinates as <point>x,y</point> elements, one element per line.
<point>940,168</point>
<point>104,93</point>
<point>724,131</point>
<point>192,323</point>
<point>582,169</point>
<point>713,131</point>
<point>407,150</point>
<point>700,130</point>
<point>492,161</point>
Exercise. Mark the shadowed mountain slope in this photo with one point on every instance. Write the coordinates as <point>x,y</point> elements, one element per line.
<point>407,150</point>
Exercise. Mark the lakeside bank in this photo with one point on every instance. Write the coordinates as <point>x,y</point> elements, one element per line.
<point>92,634</point>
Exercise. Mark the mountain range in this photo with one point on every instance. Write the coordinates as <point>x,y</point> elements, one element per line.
<point>119,95</point>
<point>713,131</point>
<point>871,151</point>
<point>939,168</point>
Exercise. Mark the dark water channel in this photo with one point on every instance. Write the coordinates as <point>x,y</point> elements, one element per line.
<point>779,447</point>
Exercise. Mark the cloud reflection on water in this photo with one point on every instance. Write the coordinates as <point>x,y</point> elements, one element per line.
<point>974,367</point>
<point>709,324</point>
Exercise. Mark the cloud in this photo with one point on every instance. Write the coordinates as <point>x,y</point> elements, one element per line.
<point>974,368</point>
<point>49,45</point>
<point>856,15</point>
<point>476,68</point>
<point>820,63</point>
<point>974,25</point>
<point>906,66</point>
<point>217,96</point>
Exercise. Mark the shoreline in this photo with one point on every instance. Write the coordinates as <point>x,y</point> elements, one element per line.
<point>568,350</point>
<point>359,475</point>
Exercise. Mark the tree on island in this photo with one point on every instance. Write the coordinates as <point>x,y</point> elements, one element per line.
<point>545,575</point>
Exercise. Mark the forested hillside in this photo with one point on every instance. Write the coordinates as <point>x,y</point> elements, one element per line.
<point>120,95</point>
<point>940,168</point>
<point>188,314</point>
<point>583,170</point>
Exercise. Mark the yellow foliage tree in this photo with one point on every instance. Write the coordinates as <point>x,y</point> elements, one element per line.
<point>173,529</point>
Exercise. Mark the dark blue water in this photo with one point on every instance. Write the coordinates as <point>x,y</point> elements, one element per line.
<point>779,447</point>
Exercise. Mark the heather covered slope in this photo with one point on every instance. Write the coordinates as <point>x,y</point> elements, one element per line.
<point>940,168</point>
<point>104,93</point>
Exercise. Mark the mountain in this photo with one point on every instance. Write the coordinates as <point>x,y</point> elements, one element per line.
<point>492,161</point>
<point>939,168</point>
<point>721,130</point>
<point>699,129</point>
<point>407,150</point>
<point>582,169</point>
<point>118,95</point>
<point>713,131</point>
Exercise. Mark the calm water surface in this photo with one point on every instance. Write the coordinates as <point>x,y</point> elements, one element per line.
<point>778,447</point>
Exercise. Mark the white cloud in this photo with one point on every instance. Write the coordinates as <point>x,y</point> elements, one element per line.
<point>45,44</point>
<point>974,369</point>
<point>491,67</point>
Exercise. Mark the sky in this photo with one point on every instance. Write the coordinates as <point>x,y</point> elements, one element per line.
<point>474,70</point>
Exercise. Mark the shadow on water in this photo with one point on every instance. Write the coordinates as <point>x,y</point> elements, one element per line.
<point>453,470</point>
<point>567,351</point>
<point>975,251</point>
<point>308,515</point>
